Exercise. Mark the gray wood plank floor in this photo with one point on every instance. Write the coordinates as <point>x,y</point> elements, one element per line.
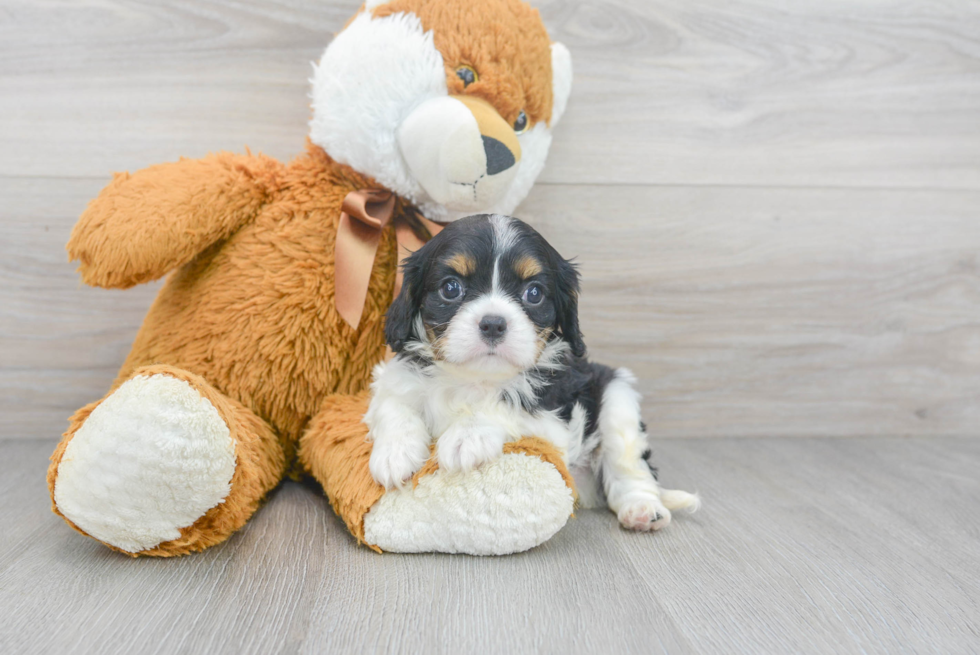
<point>863,545</point>
<point>775,207</point>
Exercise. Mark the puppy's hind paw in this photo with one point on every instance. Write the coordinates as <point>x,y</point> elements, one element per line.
<point>644,514</point>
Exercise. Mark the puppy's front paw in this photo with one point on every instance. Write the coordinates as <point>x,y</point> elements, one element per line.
<point>465,446</point>
<point>395,460</point>
<point>644,513</point>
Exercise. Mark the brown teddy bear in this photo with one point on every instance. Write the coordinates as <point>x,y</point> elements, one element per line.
<point>254,360</point>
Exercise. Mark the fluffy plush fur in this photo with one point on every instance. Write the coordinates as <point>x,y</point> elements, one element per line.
<point>398,130</point>
<point>436,512</point>
<point>462,522</point>
<point>489,350</point>
<point>259,462</point>
<point>243,354</point>
<point>120,469</point>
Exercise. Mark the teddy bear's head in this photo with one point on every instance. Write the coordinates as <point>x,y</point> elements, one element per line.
<point>448,103</point>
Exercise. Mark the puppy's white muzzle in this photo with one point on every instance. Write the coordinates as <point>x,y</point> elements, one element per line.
<point>460,151</point>
<point>466,345</point>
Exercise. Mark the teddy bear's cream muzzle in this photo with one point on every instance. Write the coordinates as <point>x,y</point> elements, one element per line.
<point>461,151</point>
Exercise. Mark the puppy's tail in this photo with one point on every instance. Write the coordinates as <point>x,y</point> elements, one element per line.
<point>674,499</point>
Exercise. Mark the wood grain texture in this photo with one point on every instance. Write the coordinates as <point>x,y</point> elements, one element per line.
<point>749,92</point>
<point>761,93</point>
<point>865,545</point>
<point>775,207</point>
<point>781,312</point>
<point>744,312</point>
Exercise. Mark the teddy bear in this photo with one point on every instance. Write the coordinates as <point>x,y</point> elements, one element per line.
<point>254,361</point>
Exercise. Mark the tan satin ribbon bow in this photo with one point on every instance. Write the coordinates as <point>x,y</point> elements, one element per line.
<point>363,217</point>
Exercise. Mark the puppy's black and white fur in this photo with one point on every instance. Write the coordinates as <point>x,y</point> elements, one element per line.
<point>488,350</point>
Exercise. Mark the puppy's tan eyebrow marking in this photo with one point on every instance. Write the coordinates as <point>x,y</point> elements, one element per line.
<point>527,266</point>
<point>462,263</point>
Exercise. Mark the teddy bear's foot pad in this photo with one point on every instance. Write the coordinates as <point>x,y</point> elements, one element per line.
<point>152,458</point>
<point>509,505</point>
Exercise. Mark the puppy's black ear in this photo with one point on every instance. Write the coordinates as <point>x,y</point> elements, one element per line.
<point>566,306</point>
<point>400,319</point>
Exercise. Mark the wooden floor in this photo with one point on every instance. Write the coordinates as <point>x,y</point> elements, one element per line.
<point>862,545</point>
<point>776,209</point>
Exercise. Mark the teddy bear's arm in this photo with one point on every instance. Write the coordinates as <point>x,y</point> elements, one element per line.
<point>143,225</point>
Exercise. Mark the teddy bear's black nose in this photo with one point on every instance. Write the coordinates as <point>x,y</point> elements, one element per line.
<point>499,156</point>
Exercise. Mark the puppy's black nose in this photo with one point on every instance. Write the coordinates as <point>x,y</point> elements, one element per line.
<point>499,156</point>
<point>493,328</point>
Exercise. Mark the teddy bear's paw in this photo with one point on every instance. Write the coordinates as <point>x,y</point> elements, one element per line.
<point>151,459</point>
<point>643,513</point>
<point>467,445</point>
<point>508,505</point>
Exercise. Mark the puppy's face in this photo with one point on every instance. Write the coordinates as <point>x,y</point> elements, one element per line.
<point>485,295</point>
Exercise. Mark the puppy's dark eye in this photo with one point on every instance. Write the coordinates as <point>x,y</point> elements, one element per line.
<point>451,290</point>
<point>533,295</point>
<point>521,123</point>
<point>467,74</point>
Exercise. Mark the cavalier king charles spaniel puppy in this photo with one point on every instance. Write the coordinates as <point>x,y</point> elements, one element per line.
<point>487,350</point>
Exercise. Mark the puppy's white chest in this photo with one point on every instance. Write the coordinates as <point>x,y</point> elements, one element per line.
<point>448,404</point>
<point>483,404</point>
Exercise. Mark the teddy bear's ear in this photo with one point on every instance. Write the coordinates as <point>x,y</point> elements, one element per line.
<point>561,80</point>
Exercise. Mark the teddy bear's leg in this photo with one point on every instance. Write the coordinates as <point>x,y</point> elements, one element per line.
<point>506,506</point>
<point>163,465</point>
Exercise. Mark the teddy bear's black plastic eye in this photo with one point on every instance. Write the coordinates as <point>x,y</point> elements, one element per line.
<point>467,74</point>
<point>521,123</point>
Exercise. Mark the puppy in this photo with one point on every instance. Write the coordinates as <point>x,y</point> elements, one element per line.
<point>488,350</point>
